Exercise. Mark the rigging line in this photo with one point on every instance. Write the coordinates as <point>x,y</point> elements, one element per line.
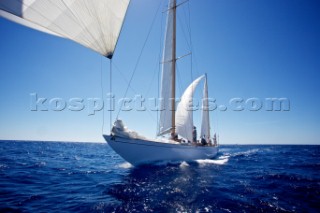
<point>179,81</point>
<point>123,76</point>
<point>151,82</point>
<point>191,46</point>
<point>158,87</point>
<point>191,68</point>
<point>111,94</point>
<point>184,32</point>
<point>150,114</point>
<point>189,40</point>
<point>139,57</point>
<point>147,93</point>
<point>102,92</point>
<point>193,57</point>
<point>217,130</point>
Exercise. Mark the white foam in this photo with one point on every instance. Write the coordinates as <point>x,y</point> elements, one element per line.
<point>203,162</point>
<point>125,165</point>
<point>247,153</point>
<point>223,157</point>
<point>183,165</point>
<point>3,166</point>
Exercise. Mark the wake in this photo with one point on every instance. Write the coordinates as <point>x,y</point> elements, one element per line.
<point>219,161</point>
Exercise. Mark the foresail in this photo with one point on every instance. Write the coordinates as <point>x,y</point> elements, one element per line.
<point>205,125</point>
<point>168,59</point>
<point>184,114</point>
<point>93,24</point>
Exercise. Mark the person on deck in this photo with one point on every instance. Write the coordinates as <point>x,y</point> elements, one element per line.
<point>194,135</point>
<point>203,141</point>
<point>215,140</point>
<point>174,137</point>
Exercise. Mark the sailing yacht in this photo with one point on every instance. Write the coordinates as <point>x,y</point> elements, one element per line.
<point>97,26</point>
<point>137,149</point>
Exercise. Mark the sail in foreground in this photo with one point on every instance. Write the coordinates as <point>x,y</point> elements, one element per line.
<point>93,24</point>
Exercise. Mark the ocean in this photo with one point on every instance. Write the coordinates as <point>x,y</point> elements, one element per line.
<point>91,177</point>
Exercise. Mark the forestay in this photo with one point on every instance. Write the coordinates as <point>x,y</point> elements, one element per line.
<point>95,24</point>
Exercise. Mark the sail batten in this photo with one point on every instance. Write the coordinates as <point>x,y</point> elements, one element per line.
<point>93,24</point>
<point>184,114</point>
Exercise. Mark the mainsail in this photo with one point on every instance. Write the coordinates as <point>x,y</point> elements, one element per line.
<point>93,24</point>
<point>184,114</point>
<point>168,75</point>
<point>205,125</point>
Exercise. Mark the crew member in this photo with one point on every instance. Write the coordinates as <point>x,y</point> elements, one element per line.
<point>194,134</point>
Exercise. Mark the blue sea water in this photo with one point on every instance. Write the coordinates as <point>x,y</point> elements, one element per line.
<point>88,177</point>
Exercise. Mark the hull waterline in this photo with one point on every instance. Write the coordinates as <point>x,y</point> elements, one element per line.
<point>137,151</point>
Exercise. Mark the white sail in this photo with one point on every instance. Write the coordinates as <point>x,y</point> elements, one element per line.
<point>184,114</point>
<point>93,24</point>
<point>168,60</point>
<point>205,125</point>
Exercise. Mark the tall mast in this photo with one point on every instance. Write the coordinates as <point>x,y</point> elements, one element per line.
<point>174,44</point>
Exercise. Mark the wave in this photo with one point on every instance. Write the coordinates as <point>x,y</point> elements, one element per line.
<point>125,165</point>
<point>220,161</point>
<point>3,166</point>
<point>246,153</point>
<point>183,165</point>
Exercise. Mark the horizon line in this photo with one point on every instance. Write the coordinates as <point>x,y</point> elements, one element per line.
<point>233,144</point>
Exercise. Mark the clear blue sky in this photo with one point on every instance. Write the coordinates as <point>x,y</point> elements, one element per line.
<point>249,48</point>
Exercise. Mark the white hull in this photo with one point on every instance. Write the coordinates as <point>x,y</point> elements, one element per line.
<point>137,151</point>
